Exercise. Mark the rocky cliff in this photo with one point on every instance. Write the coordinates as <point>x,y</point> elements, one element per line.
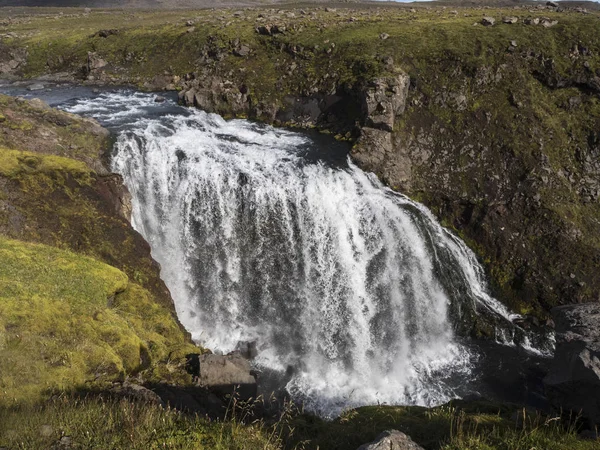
<point>491,123</point>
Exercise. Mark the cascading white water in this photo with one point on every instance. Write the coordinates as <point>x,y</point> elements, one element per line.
<point>332,274</point>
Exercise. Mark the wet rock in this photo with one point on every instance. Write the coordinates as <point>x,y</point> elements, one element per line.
<point>159,99</point>
<point>391,440</point>
<point>384,99</point>
<point>573,382</point>
<point>488,21</point>
<point>35,87</point>
<point>188,97</point>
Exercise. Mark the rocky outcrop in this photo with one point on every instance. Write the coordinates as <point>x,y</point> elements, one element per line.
<point>383,100</point>
<point>11,59</point>
<point>573,383</point>
<point>391,440</point>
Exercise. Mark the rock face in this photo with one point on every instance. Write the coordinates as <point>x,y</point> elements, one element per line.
<point>573,382</point>
<point>391,440</point>
<point>11,59</point>
<point>384,99</point>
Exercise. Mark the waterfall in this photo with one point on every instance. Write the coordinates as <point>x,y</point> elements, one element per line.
<point>353,290</point>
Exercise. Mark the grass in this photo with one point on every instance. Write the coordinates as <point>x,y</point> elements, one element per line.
<point>70,322</point>
<point>104,423</point>
<point>95,423</point>
<point>455,426</point>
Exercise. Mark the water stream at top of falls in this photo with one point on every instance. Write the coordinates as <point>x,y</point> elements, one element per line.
<point>352,292</point>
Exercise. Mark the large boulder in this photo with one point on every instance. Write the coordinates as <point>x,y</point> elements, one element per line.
<point>391,440</point>
<point>224,374</point>
<point>573,382</point>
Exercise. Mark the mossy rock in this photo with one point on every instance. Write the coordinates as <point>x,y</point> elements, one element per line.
<point>70,322</point>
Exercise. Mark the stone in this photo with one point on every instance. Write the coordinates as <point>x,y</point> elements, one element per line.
<point>510,20</point>
<point>546,23</point>
<point>270,29</point>
<point>106,33</point>
<point>137,393</point>
<point>188,97</point>
<point>159,99</point>
<point>552,4</point>
<point>391,440</point>
<point>95,62</point>
<point>35,87</point>
<point>64,442</point>
<point>224,374</point>
<point>384,99</point>
<point>243,50</point>
<point>573,382</point>
<point>372,148</point>
<point>488,21</point>
<point>532,21</point>
<point>190,30</point>
<point>384,36</point>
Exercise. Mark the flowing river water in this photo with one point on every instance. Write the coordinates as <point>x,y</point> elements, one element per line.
<point>353,293</point>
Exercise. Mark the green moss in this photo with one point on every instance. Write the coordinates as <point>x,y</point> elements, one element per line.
<point>17,165</point>
<point>67,321</point>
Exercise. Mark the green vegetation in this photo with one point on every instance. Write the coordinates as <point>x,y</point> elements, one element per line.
<point>70,322</point>
<point>94,423</point>
<point>16,164</point>
<point>455,426</point>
